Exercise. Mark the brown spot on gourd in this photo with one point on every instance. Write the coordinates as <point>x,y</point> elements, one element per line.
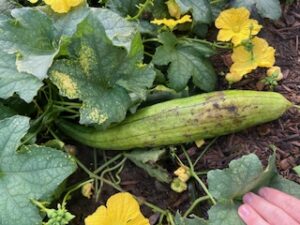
<point>66,85</point>
<point>86,59</point>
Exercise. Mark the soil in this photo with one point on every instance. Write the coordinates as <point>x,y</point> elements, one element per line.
<point>284,133</point>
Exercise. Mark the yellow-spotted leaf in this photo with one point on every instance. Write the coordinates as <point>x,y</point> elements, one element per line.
<point>102,75</point>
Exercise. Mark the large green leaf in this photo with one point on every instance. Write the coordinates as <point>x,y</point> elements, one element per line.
<point>270,8</point>
<point>200,10</point>
<point>66,23</point>
<point>124,7</point>
<point>12,81</point>
<point>32,173</point>
<point>120,31</point>
<point>102,75</point>
<point>186,59</point>
<point>243,175</point>
<point>224,214</point>
<point>31,34</point>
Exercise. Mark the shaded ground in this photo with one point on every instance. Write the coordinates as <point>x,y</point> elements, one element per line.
<point>284,133</point>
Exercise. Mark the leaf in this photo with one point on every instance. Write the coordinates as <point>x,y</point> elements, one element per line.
<point>6,111</point>
<point>297,169</point>
<point>269,9</point>
<point>120,31</point>
<point>186,59</point>
<point>286,186</point>
<point>224,214</point>
<point>242,176</point>
<point>31,34</point>
<point>33,173</point>
<point>153,170</point>
<point>194,220</point>
<point>12,81</point>
<point>101,74</point>
<point>124,7</point>
<point>6,6</point>
<point>200,10</point>
<point>145,156</point>
<point>66,23</point>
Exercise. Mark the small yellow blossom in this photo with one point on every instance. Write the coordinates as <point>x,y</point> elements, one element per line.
<point>121,209</point>
<point>33,1</point>
<point>171,23</point>
<point>235,25</point>
<point>173,9</point>
<point>245,60</point>
<point>87,190</point>
<point>178,186</point>
<point>63,6</point>
<point>183,173</point>
<point>275,71</point>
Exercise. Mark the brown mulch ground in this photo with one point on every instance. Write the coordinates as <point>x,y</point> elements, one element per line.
<point>284,133</point>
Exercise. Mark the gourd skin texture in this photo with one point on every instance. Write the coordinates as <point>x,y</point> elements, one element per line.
<point>185,120</point>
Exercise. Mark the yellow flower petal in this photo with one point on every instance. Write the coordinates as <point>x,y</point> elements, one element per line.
<point>245,61</point>
<point>233,77</point>
<point>62,6</point>
<point>122,209</point>
<point>171,23</point>
<point>99,217</point>
<point>33,1</point>
<point>235,25</point>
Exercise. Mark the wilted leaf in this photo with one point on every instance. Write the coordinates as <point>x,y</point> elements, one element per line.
<point>153,170</point>
<point>186,59</point>
<point>269,9</point>
<point>12,81</point>
<point>145,156</point>
<point>33,173</point>
<point>101,74</point>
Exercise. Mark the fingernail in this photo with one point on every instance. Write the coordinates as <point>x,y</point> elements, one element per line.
<point>248,197</point>
<point>262,192</point>
<point>244,211</point>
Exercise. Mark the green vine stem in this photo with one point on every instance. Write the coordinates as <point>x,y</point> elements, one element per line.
<point>118,188</point>
<point>142,8</point>
<point>194,174</point>
<point>205,150</point>
<point>195,203</point>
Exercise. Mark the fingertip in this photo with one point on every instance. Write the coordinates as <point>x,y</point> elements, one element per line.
<point>244,211</point>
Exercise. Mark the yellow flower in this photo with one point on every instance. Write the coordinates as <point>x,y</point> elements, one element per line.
<point>275,71</point>
<point>122,209</point>
<point>33,1</point>
<point>233,77</point>
<point>235,25</point>
<point>62,6</point>
<point>183,173</point>
<point>171,23</point>
<point>245,60</point>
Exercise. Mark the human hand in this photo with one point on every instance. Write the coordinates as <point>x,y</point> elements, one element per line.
<point>270,207</point>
